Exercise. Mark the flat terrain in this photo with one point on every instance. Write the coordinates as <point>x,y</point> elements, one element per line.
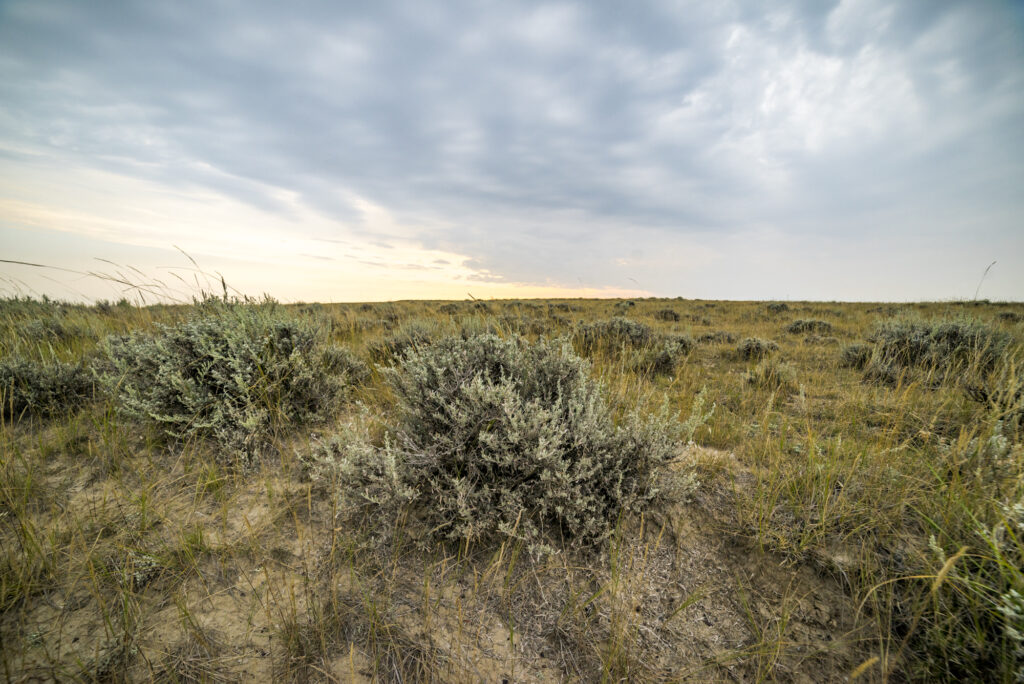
<point>846,515</point>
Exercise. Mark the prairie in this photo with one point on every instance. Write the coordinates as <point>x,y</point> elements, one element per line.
<point>844,497</point>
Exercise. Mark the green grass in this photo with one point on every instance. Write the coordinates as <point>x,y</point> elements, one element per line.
<point>849,518</point>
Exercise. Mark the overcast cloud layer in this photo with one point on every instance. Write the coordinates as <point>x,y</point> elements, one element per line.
<point>853,150</point>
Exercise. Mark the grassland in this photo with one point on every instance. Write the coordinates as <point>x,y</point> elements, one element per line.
<point>848,514</point>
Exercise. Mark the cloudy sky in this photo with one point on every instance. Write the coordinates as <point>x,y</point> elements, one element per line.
<point>334,151</point>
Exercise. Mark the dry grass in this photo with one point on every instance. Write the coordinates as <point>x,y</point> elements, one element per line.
<point>841,527</point>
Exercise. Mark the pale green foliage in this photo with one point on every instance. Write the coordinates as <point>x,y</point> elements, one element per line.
<point>1009,540</point>
<point>975,630</point>
<point>698,416</point>
<point>717,337</point>
<point>29,387</point>
<point>663,358</point>
<point>855,356</point>
<point>756,348</point>
<point>1011,606</point>
<point>235,372</point>
<point>938,351</point>
<point>343,363</point>
<point>367,475</point>
<point>613,335</point>
<point>942,345</point>
<point>500,438</point>
<point>644,350</point>
<point>812,325</point>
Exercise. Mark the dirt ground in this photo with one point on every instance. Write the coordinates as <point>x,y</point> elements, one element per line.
<point>258,594</point>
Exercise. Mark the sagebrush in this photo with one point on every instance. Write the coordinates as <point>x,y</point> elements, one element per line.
<point>614,335</point>
<point>812,325</point>
<point>751,348</point>
<point>234,372</point>
<point>939,345</point>
<point>34,388</point>
<point>500,438</point>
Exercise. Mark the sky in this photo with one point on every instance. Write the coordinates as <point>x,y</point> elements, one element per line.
<point>330,151</point>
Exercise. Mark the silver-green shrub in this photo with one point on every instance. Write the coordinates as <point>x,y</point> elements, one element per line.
<point>234,372</point>
<point>975,630</point>
<point>811,325</point>
<point>855,356</point>
<point>940,345</point>
<point>752,348</point>
<point>717,337</point>
<point>344,364</point>
<point>32,388</point>
<point>663,358</point>
<point>498,438</point>
<point>613,335</point>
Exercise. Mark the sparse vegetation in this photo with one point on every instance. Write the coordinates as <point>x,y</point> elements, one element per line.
<point>697,509</point>
<point>717,337</point>
<point>942,346</point>
<point>813,325</point>
<point>773,375</point>
<point>855,356</point>
<point>341,362</point>
<point>393,347</point>
<point>663,359</point>
<point>235,372</point>
<point>613,335</point>
<point>502,439</point>
<point>33,388</point>
<point>756,348</point>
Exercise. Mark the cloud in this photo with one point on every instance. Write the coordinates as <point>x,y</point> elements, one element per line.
<point>542,142</point>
